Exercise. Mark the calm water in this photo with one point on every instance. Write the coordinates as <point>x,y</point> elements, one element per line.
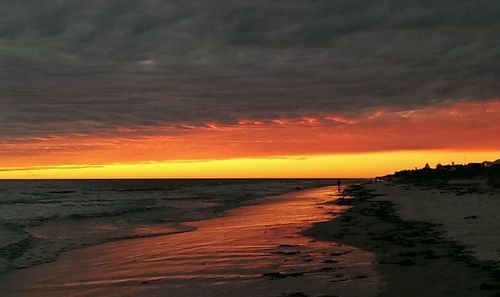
<point>255,250</point>
<point>39,219</point>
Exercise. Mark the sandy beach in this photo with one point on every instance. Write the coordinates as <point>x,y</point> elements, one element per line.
<point>372,239</point>
<point>469,218</point>
<point>421,239</point>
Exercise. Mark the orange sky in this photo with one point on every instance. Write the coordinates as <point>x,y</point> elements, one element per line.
<point>466,130</point>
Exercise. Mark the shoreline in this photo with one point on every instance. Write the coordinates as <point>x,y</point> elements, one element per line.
<point>413,258</point>
<point>256,250</point>
<point>31,250</point>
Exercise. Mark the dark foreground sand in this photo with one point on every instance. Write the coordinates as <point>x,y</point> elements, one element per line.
<point>413,258</point>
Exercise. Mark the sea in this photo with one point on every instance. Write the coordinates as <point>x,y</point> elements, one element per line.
<point>39,219</point>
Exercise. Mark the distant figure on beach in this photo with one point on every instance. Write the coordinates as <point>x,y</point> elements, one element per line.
<point>338,184</point>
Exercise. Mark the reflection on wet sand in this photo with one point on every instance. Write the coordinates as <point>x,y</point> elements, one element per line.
<point>255,250</point>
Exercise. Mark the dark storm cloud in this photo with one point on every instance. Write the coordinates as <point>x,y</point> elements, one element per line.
<point>87,66</point>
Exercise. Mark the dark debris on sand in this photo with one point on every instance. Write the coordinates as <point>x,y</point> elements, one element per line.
<point>413,258</point>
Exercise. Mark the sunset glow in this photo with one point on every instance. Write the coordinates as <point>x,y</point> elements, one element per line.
<point>358,145</point>
<point>338,165</point>
<point>164,83</point>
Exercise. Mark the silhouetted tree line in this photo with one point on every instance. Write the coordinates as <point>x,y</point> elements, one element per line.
<point>488,170</point>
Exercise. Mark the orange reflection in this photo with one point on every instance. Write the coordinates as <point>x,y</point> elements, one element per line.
<point>238,254</point>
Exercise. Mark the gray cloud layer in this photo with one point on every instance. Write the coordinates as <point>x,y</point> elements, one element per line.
<point>86,66</point>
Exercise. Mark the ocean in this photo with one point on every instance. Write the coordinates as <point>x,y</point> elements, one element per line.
<point>41,218</point>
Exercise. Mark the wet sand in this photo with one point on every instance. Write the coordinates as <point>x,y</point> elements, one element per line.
<point>256,250</point>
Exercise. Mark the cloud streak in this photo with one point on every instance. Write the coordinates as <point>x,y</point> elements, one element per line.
<point>457,127</point>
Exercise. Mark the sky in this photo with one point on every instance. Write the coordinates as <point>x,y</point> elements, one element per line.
<point>317,88</point>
